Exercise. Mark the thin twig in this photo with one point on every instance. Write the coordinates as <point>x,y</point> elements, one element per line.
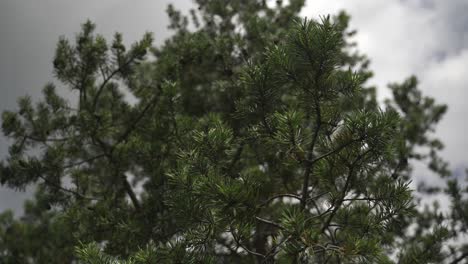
<point>273,251</point>
<point>83,161</point>
<point>310,155</point>
<point>294,196</point>
<point>243,247</point>
<point>109,77</point>
<point>331,152</point>
<point>59,187</point>
<point>269,222</point>
<point>460,258</point>
<point>345,189</point>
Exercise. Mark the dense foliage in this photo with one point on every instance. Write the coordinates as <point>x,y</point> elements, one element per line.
<point>250,136</point>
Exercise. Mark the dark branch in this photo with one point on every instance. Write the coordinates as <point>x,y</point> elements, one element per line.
<point>131,193</point>
<point>269,222</point>
<point>310,155</point>
<point>59,187</point>
<point>273,251</point>
<point>83,161</point>
<point>337,206</point>
<point>130,129</point>
<point>460,258</point>
<point>280,196</point>
<point>108,78</point>
<point>245,248</point>
<point>236,158</point>
<point>331,152</point>
<point>345,189</point>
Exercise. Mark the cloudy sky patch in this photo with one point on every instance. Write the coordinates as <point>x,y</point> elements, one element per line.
<point>428,38</point>
<point>30,29</point>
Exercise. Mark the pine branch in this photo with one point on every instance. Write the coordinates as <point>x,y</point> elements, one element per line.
<point>236,158</point>
<point>131,193</point>
<point>59,187</point>
<point>71,165</point>
<point>273,251</point>
<point>317,196</point>
<point>47,139</point>
<point>331,152</point>
<point>310,155</point>
<point>127,187</point>
<point>345,189</point>
<point>337,206</point>
<point>140,116</point>
<point>122,138</point>
<point>244,247</point>
<point>108,78</point>
<point>269,222</point>
<point>280,196</point>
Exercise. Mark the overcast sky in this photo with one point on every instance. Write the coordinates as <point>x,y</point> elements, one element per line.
<point>30,29</point>
<point>428,38</point>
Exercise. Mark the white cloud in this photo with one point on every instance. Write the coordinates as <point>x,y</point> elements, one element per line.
<point>428,38</point>
<point>447,81</point>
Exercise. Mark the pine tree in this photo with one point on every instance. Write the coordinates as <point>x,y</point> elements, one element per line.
<point>254,138</point>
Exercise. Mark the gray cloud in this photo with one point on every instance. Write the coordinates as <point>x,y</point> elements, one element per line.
<point>30,29</point>
<point>428,38</point>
